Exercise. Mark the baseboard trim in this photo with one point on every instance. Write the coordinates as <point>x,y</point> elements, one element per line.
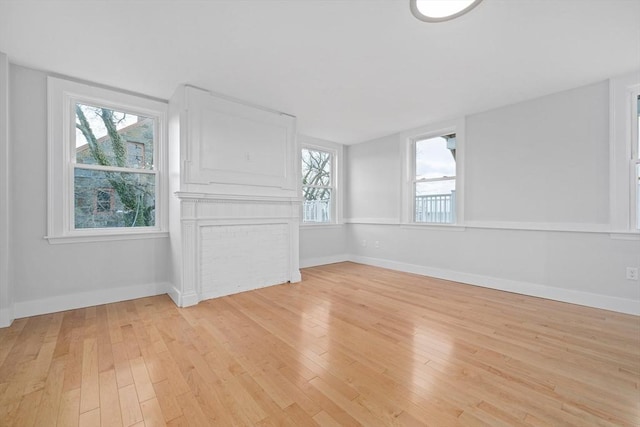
<point>6,317</point>
<point>605,302</point>
<point>106,296</point>
<point>295,276</point>
<point>312,262</point>
<point>87,299</point>
<point>180,299</point>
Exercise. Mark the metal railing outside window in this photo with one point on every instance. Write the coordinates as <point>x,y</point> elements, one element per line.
<point>436,208</point>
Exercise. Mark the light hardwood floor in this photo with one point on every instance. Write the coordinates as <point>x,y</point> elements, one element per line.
<point>350,345</point>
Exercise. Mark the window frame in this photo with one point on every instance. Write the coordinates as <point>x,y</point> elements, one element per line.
<point>415,182</point>
<point>634,162</point>
<point>409,140</point>
<point>335,203</point>
<point>62,96</point>
<point>623,154</point>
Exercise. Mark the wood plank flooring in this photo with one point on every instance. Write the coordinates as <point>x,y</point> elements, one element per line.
<point>350,345</point>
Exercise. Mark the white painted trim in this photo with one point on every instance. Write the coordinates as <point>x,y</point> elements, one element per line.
<point>296,276</point>
<point>624,236</point>
<point>338,174</point>
<point>221,108</point>
<point>621,190</point>
<point>221,198</point>
<point>88,299</point>
<point>6,289</point>
<point>182,300</point>
<point>62,94</point>
<point>407,142</point>
<point>503,225</point>
<point>605,302</point>
<point>6,317</point>
<point>332,259</point>
<point>434,226</point>
<point>540,226</point>
<point>107,237</point>
<point>319,226</point>
<point>379,221</point>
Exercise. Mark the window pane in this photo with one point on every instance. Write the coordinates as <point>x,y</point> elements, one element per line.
<point>435,157</point>
<point>435,160</point>
<point>435,201</point>
<point>316,167</point>
<point>113,138</point>
<point>317,204</point>
<point>113,199</point>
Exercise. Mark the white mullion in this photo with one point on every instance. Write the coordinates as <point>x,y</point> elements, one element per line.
<point>444,178</point>
<point>114,169</point>
<point>319,186</point>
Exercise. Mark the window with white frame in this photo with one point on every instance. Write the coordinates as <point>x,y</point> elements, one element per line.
<point>433,172</point>
<point>434,182</point>
<point>318,185</point>
<point>106,162</point>
<point>624,195</point>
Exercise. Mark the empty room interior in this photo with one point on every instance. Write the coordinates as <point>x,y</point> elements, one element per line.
<point>319,212</point>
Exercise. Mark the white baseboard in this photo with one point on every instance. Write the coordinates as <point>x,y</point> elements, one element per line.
<point>588,299</point>
<point>6,317</point>
<point>180,299</point>
<point>106,296</point>
<point>87,299</point>
<point>295,276</point>
<point>312,262</point>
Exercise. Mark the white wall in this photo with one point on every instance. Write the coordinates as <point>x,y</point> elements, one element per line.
<point>535,173</point>
<point>374,180</point>
<point>48,277</point>
<point>321,245</point>
<point>6,289</point>
<point>543,161</point>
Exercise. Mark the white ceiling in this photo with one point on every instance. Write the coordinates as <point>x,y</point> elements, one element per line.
<point>350,70</point>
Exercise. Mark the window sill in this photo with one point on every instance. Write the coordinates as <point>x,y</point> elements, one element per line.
<point>433,226</point>
<point>106,237</point>
<point>313,225</point>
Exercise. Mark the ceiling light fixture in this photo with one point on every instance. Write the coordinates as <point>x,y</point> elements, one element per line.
<point>441,10</point>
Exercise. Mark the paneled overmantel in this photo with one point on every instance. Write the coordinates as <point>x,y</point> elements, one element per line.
<point>235,204</point>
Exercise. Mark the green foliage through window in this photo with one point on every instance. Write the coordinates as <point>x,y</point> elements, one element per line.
<point>114,178</point>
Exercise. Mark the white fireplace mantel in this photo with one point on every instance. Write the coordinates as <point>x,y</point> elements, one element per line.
<point>235,205</point>
<point>232,244</point>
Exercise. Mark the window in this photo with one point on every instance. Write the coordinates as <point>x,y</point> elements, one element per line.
<point>433,172</point>
<point>106,163</point>
<point>103,160</point>
<point>435,179</point>
<point>318,186</point>
<point>624,194</point>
